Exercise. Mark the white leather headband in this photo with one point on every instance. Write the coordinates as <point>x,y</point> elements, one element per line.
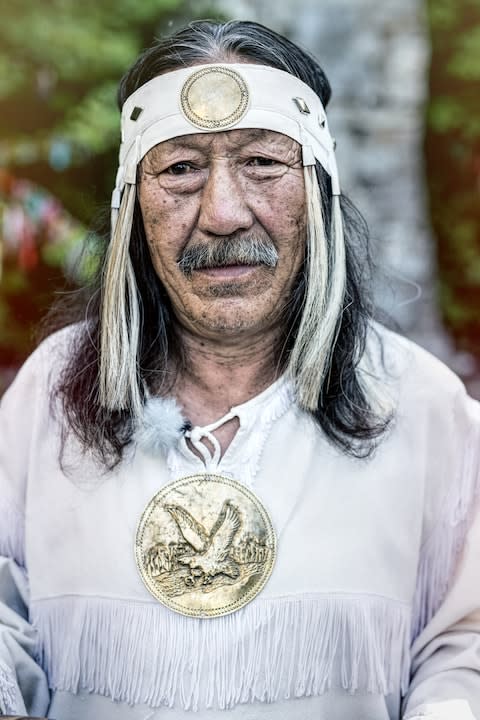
<point>218,97</point>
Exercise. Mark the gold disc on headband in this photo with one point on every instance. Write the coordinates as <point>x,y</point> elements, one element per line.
<point>205,546</point>
<point>214,98</point>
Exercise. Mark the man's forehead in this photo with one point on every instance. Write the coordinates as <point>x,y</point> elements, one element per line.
<point>261,101</point>
<point>233,139</point>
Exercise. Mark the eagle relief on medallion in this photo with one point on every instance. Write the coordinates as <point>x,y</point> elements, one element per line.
<point>205,545</point>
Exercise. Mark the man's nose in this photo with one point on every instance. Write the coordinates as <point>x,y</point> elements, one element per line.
<point>224,208</point>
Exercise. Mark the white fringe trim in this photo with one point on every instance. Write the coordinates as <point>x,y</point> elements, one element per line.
<point>8,691</point>
<point>12,533</point>
<point>441,552</point>
<point>140,652</point>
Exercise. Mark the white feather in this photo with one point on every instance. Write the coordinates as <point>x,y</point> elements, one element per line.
<point>161,426</point>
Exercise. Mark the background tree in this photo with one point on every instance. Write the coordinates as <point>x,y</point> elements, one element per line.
<point>60,63</point>
<point>453,162</point>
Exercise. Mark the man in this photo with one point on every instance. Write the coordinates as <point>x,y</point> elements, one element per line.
<point>233,494</point>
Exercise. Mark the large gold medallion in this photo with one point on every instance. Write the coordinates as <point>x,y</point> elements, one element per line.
<point>205,546</point>
<point>213,98</point>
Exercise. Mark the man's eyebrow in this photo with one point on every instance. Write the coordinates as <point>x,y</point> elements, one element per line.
<point>251,134</point>
<point>182,141</point>
<point>196,141</point>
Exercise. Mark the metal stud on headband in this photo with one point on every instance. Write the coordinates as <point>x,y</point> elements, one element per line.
<point>213,98</point>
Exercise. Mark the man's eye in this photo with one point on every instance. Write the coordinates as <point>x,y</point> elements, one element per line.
<point>180,168</point>
<point>262,162</point>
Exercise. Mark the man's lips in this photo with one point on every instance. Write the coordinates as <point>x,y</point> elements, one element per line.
<point>228,271</point>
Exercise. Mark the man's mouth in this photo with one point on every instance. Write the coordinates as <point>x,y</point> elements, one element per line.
<point>228,271</point>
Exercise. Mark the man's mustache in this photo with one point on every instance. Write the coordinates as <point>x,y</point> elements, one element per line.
<point>246,250</point>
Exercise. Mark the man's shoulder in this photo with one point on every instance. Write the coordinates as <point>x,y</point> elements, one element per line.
<point>46,362</point>
<point>410,370</point>
<point>60,339</point>
<point>58,345</point>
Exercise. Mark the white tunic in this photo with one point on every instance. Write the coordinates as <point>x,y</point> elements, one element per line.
<point>372,609</point>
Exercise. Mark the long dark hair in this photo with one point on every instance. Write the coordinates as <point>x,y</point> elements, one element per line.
<point>344,412</point>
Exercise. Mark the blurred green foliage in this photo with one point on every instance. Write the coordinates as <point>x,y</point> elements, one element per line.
<point>453,162</point>
<point>60,64</point>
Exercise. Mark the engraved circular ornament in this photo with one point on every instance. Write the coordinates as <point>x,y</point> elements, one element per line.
<point>205,546</point>
<point>214,98</point>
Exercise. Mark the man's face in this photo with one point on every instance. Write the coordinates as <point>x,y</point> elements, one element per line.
<point>228,190</point>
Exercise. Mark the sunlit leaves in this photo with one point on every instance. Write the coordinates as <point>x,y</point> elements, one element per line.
<point>465,62</point>
<point>93,124</point>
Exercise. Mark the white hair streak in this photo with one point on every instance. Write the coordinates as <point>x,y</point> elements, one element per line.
<point>325,281</point>
<point>120,318</point>
<point>326,277</point>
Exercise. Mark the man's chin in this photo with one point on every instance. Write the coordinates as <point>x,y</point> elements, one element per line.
<point>232,316</point>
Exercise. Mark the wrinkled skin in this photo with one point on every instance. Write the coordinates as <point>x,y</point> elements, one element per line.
<point>197,188</point>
